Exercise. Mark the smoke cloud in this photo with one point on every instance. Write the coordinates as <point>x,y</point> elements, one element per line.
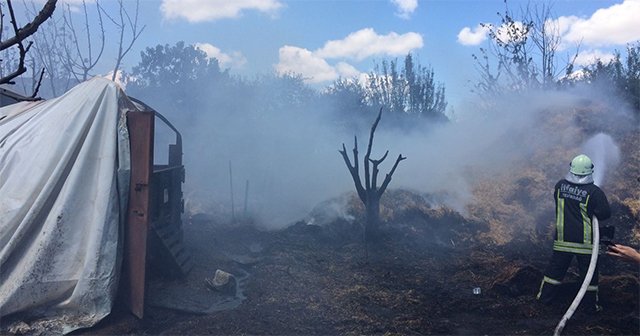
<point>283,164</point>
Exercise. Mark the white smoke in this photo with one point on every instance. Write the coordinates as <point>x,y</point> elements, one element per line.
<point>291,163</point>
<point>604,153</point>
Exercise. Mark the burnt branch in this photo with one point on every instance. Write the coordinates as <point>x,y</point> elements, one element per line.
<point>368,190</point>
<point>367,177</point>
<point>353,169</point>
<point>376,163</point>
<point>387,178</point>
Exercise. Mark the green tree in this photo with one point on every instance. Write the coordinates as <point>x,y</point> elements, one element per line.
<point>622,77</point>
<point>407,92</point>
<point>173,74</point>
<point>174,67</point>
<point>632,87</point>
<point>522,53</point>
<point>424,97</point>
<point>345,99</point>
<point>275,93</point>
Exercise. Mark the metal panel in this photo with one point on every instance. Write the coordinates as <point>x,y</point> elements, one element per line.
<point>141,131</point>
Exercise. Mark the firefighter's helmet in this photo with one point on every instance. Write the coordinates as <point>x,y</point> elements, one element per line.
<point>581,165</point>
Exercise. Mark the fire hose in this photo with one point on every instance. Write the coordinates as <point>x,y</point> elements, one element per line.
<point>587,278</point>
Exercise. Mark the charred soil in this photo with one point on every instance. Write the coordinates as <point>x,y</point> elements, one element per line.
<point>430,274</point>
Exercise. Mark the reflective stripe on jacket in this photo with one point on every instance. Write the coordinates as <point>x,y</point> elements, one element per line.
<point>575,206</point>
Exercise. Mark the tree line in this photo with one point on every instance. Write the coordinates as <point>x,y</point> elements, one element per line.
<point>406,90</point>
<point>522,55</point>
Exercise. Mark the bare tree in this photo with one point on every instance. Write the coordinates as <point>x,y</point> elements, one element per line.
<point>20,34</point>
<point>522,53</point>
<point>546,37</point>
<point>71,47</point>
<point>48,47</point>
<point>67,52</point>
<point>80,61</point>
<point>123,20</point>
<point>512,49</point>
<point>369,192</point>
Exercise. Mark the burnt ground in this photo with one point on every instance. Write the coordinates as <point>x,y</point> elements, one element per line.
<point>419,279</point>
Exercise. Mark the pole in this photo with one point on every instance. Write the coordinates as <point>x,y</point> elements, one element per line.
<point>246,198</point>
<point>233,211</point>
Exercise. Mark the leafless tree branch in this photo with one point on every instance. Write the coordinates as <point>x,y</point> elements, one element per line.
<point>81,63</point>
<point>20,34</point>
<point>35,91</point>
<point>30,28</point>
<point>121,24</point>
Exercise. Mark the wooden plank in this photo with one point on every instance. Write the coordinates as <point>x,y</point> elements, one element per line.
<point>141,131</point>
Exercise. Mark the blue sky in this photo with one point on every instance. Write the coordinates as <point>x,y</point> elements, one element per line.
<point>325,39</point>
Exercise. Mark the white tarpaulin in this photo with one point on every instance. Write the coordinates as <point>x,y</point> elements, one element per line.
<point>64,167</point>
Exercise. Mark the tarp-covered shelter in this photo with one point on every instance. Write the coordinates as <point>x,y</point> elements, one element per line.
<point>64,183</point>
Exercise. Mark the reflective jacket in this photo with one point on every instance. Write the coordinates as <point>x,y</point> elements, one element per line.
<point>575,206</point>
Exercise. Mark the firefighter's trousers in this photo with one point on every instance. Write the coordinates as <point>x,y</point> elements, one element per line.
<point>555,272</point>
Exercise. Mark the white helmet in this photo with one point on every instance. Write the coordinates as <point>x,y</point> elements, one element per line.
<point>581,165</point>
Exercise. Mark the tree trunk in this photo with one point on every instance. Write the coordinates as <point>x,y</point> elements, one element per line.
<point>372,223</point>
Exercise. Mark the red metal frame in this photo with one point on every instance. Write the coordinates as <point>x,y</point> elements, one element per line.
<point>141,134</point>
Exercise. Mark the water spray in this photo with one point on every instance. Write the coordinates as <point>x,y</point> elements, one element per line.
<point>604,153</point>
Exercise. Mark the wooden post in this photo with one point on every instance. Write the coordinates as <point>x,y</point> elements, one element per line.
<point>233,210</point>
<point>141,131</point>
<point>246,200</point>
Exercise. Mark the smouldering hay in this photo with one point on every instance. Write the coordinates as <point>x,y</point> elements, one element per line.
<point>392,203</point>
<point>634,206</point>
<point>518,202</point>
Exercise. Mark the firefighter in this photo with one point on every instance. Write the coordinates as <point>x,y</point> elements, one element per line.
<point>577,200</point>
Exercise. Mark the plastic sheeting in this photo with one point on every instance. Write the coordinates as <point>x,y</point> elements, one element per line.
<point>64,166</point>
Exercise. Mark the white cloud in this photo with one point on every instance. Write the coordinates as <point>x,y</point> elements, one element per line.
<point>504,33</point>
<point>315,68</point>
<point>592,56</point>
<point>366,43</point>
<point>302,61</point>
<point>615,25</point>
<point>233,60</point>
<point>562,24</point>
<point>347,70</point>
<point>472,37</point>
<point>210,10</point>
<point>405,7</point>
